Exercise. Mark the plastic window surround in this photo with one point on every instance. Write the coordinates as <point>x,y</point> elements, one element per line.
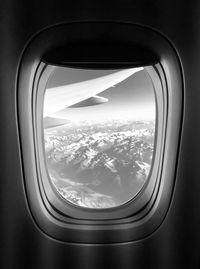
<point>112,227</point>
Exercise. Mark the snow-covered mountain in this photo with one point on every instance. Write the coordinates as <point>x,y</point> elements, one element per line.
<point>108,162</point>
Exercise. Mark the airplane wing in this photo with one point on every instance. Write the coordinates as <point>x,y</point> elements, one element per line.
<point>50,122</point>
<point>91,101</point>
<point>82,93</point>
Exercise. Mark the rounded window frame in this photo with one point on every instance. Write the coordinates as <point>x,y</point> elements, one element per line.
<point>143,196</point>
<point>149,216</point>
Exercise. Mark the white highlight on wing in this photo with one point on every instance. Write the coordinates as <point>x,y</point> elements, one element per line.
<point>59,98</point>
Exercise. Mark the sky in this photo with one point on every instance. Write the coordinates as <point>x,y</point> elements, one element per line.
<point>132,98</point>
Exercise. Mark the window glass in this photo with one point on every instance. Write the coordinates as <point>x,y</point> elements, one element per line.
<point>99,130</point>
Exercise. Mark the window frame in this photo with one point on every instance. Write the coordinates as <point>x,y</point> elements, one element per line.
<point>143,196</point>
<point>149,217</point>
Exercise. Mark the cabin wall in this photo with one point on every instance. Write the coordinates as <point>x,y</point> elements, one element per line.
<point>176,243</point>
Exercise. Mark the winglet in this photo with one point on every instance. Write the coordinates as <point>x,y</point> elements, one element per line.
<point>92,101</point>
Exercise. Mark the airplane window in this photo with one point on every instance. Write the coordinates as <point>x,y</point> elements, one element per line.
<point>99,132</point>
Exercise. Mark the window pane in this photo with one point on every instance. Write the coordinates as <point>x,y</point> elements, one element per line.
<point>99,129</point>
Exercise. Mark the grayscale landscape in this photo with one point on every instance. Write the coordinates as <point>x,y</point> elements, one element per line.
<point>99,164</point>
